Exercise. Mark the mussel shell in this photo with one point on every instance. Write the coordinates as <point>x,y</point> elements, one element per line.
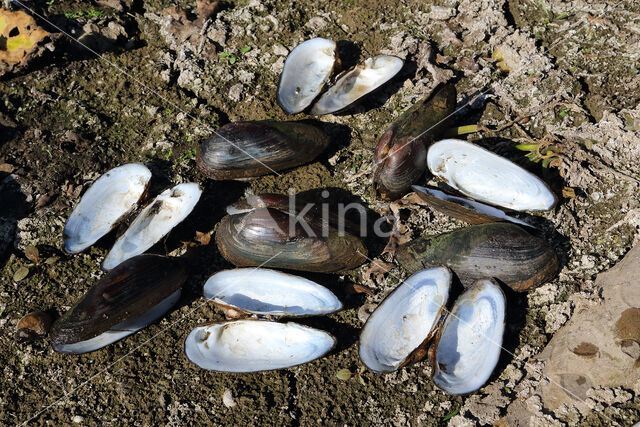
<point>269,237</point>
<point>129,291</point>
<point>401,153</point>
<point>488,177</point>
<point>462,208</point>
<point>255,345</point>
<point>501,250</point>
<point>249,149</point>
<point>109,199</point>
<point>357,82</point>
<point>306,71</point>
<point>154,222</point>
<point>269,293</point>
<point>398,330</point>
<point>469,342</point>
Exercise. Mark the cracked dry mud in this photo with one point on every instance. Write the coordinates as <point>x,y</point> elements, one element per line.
<point>565,72</point>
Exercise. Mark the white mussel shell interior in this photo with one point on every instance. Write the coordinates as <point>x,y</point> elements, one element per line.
<point>404,320</point>
<point>358,82</point>
<point>470,204</point>
<point>269,292</point>
<point>487,177</point>
<point>306,70</point>
<point>122,329</point>
<point>167,210</point>
<point>471,338</point>
<point>109,199</point>
<point>255,345</point>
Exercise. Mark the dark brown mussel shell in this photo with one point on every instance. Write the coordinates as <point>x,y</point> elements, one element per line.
<point>401,154</point>
<point>462,208</point>
<point>500,250</point>
<point>269,237</point>
<point>129,291</point>
<point>249,149</point>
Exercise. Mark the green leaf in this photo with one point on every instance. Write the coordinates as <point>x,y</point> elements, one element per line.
<point>245,49</point>
<point>562,16</point>
<point>32,254</point>
<point>232,60</point>
<point>527,147</point>
<point>51,260</point>
<point>451,415</point>
<point>20,274</point>
<point>343,374</point>
<point>361,380</point>
<point>224,54</point>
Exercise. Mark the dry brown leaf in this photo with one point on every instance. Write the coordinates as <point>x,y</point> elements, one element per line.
<point>365,311</point>
<point>376,271</point>
<point>361,289</point>
<point>20,39</point>
<point>203,238</point>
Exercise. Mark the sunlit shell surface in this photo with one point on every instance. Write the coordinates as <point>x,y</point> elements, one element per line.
<point>471,339</point>
<point>255,345</point>
<point>109,199</point>
<point>169,209</point>
<point>487,177</point>
<point>463,208</point>
<point>306,70</point>
<point>405,320</point>
<point>269,292</point>
<point>356,83</point>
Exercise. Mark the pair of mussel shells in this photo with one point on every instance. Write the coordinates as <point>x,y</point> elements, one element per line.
<point>261,343</point>
<point>467,339</point>
<point>115,195</point>
<point>407,149</point>
<point>307,72</point>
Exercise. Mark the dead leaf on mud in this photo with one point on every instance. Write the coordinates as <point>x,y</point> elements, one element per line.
<point>20,40</point>
<point>365,311</point>
<point>401,233</point>
<point>376,271</point>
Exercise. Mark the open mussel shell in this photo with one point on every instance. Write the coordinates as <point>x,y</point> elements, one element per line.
<point>398,330</point>
<point>487,177</point>
<point>306,71</point>
<point>154,222</point>
<point>462,208</point>
<point>249,149</point>
<point>469,343</point>
<point>501,250</point>
<point>401,153</point>
<point>269,237</point>
<point>356,83</point>
<point>131,296</point>
<point>255,345</point>
<point>269,293</point>
<point>110,198</point>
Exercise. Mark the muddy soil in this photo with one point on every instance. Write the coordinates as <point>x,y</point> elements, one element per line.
<point>559,72</point>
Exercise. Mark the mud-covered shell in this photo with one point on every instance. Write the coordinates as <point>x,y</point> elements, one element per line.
<point>154,222</point>
<point>488,177</point>
<point>305,73</point>
<point>128,292</point>
<point>271,238</point>
<point>109,199</point>
<point>255,345</point>
<point>243,150</point>
<point>401,154</point>
<point>398,330</point>
<point>470,340</point>
<point>269,293</point>
<point>357,82</point>
<point>462,208</point>
<point>501,250</point>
